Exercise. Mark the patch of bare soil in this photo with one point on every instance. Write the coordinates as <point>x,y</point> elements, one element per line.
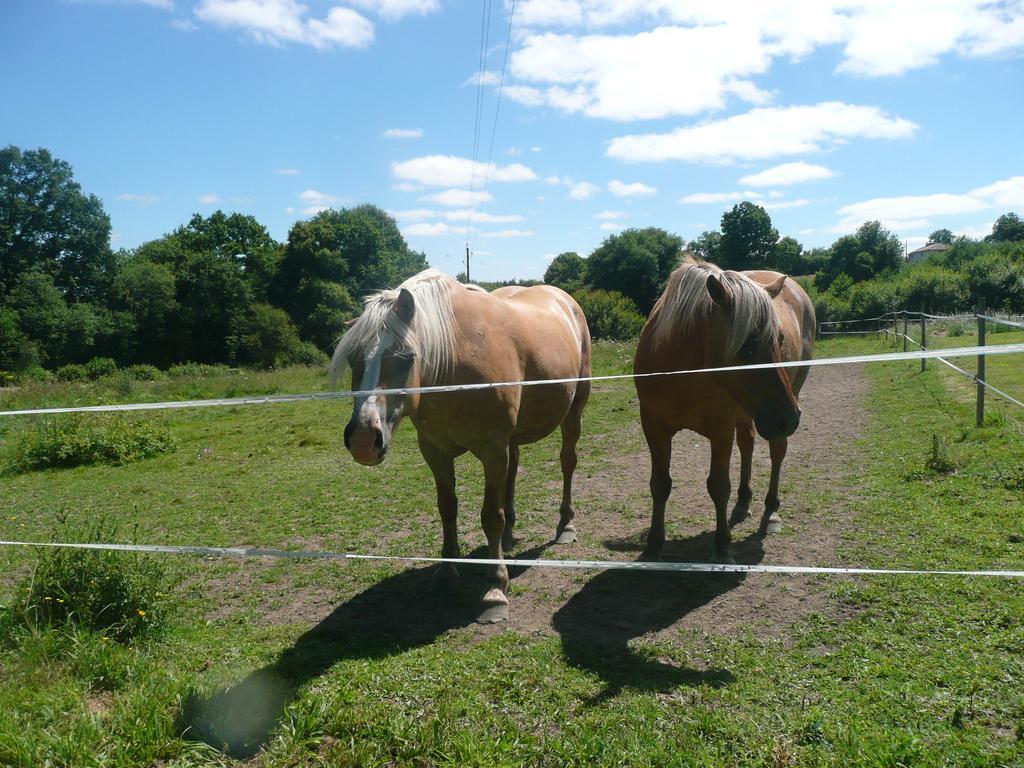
<point>613,504</point>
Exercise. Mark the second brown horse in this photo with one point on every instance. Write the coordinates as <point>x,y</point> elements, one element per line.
<point>710,318</point>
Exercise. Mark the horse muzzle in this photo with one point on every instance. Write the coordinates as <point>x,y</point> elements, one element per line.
<point>773,424</point>
<point>366,444</point>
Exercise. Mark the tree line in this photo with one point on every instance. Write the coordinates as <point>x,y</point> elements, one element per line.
<point>860,275</point>
<point>220,289</point>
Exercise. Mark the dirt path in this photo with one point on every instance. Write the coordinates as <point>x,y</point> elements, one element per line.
<point>823,453</point>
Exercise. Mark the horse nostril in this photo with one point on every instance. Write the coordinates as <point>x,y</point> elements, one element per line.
<point>379,442</point>
<point>348,435</point>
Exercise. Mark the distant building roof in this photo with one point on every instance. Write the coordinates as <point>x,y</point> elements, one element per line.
<point>931,248</point>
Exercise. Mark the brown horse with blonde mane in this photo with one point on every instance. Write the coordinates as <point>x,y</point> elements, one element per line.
<point>709,318</point>
<point>433,330</point>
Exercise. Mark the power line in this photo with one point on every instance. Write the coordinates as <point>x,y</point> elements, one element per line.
<point>485,31</point>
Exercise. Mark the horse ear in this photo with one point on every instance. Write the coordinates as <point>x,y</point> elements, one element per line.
<point>350,323</point>
<point>776,288</point>
<point>405,306</point>
<point>720,294</point>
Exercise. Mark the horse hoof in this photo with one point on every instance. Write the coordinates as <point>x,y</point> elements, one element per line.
<point>567,536</point>
<point>650,556</point>
<point>774,524</point>
<point>739,514</point>
<point>495,607</point>
<point>724,558</point>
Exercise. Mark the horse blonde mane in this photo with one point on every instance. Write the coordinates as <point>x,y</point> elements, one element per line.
<point>686,306</point>
<point>430,337</point>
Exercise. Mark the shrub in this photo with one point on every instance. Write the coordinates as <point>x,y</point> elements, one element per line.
<point>143,372</point>
<point>36,373</point>
<point>100,366</point>
<point>117,593</point>
<point>610,315</point>
<point>955,329</point>
<point>201,370</point>
<point>303,353</point>
<point>72,372</point>
<point>76,441</point>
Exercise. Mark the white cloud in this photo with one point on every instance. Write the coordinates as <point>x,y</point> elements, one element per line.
<point>610,226</point>
<point>458,197</point>
<point>451,171</point>
<point>915,211</point>
<point>415,214</point>
<point>788,173</point>
<point>403,133</point>
<point>185,25</point>
<point>487,77</point>
<point>536,149</point>
<point>316,201</point>
<point>876,38</point>
<point>287,171</point>
<point>138,199</point>
<point>392,10</point>
<point>276,22</point>
<point>652,74</point>
<point>783,204</point>
<point>210,199</point>
<point>290,209</point>
<point>701,198</point>
<point>429,230</point>
<point>505,233</point>
<point>636,189</point>
<point>763,133</point>
<point>162,4</point>
<point>461,214</point>
<point>405,186</point>
<point>610,215</point>
<point>583,190</point>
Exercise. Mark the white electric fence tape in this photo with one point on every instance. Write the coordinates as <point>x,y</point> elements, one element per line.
<point>887,357</point>
<point>593,565</point>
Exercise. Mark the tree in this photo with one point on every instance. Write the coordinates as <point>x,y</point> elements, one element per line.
<point>869,251</point>
<point>941,236</point>
<point>568,271</point>
<point>885,248</point>
<point>335,256</point>
<point>1007,228</point>
<point>707,245</point>
<point>636,263</point>
<point>146,293</point>
<point>787,256</point>
<point>48,224</point>
<point>748,238</point>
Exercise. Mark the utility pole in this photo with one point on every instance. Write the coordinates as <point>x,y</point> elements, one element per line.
<point>467,264</point>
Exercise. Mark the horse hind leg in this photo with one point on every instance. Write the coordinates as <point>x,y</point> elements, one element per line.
<point>744,494</point>
<point>508,538</point>
<point>771,522</point>
<point>572,426</point>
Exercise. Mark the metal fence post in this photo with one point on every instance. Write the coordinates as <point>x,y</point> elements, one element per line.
<point>924,342</point>
<point>981,363</point>
<point>905,340</point>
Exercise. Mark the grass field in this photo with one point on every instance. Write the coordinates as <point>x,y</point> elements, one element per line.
<point>895,671</point>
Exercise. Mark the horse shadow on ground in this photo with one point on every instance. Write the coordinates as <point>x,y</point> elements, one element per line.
<point>393,616</point>
<point>597,624</point>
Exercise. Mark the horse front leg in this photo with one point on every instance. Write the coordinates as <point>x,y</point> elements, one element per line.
<point>443,468</point>
<point>770,521</point>
<point>659,442</point>
<point>572,427</point>
<point>508,538</point>
<point>492,518</point>
<point>719,489</point>
<point>744,494</point>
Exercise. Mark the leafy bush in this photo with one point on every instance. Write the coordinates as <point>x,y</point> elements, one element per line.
<point>610,315</point>
<point>100,366</point>
<point>955,329</point>
<point>201,370</point>
<point>303,353</point>
<point>143,372</point>
<point>76,441</point>
<point>72,372</point>
<point>117,593</point>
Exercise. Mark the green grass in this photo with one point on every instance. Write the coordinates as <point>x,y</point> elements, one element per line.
<point>906,672</point>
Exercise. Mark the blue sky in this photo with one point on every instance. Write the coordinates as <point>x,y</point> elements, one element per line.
<point>613,114</point>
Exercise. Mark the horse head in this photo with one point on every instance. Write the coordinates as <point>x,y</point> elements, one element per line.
<point>388,361</point>
<point>749,331</point>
